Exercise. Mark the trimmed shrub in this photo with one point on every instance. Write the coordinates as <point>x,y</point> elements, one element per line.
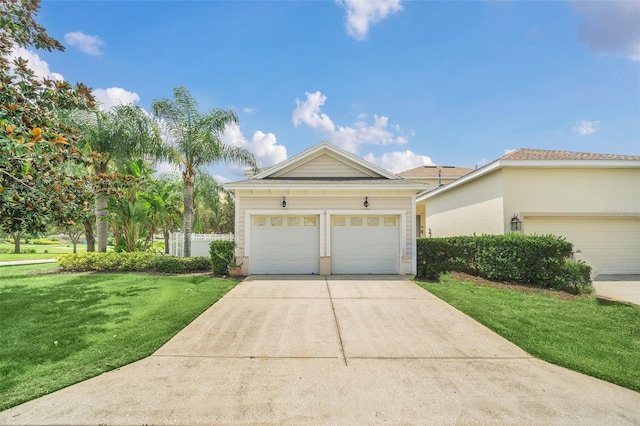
<point>44,241</point>
<point>178,265</point>
<point>221,256</point>
<point>575,278</point>
<point>527,259</point>
<point>110,261</point>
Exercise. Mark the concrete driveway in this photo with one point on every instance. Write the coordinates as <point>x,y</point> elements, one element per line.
<point>335,350</point>
<point>618,287</point>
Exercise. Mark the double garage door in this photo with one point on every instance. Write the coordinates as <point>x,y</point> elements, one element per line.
<point>608,245</point>
<point>366,244</point>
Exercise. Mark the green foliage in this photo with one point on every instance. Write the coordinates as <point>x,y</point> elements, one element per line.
<point>575,278</point>
<point>45,241</point>
<point>132,261</point>
<point>110,261</point>
<point>179,265</point>
<point>197,143</point>
<point>222,256</point>
<point>39,154</point>
<point>527,259</point>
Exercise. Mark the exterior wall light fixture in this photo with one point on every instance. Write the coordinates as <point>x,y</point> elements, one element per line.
<point>366,202</point>
<point>284,202</point>
<point>516,223</point>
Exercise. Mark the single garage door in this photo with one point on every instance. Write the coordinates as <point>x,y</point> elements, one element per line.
<point>608,245</point>
<point>285,244</point>
<point>365,244</point>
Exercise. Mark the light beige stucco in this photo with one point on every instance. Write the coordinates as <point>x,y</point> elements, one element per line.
<point>595,208</point>
<point>476,207</point>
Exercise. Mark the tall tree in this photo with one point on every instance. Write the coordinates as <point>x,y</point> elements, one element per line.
<point>195,138</point>
<point>125,132</point>
<point>36,187</point>
<point>165,208</point>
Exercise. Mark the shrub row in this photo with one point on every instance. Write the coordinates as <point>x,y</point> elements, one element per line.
<point>540,260</point>
<point>132,262</point>
<point>221,256</point>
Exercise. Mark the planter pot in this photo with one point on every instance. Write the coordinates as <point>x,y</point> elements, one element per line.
<point>234,271</point>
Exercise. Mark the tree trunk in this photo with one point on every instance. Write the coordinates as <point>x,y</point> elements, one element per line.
<point>189,178</point>
<point>166,241</point>
<point>88,232</point>
<point>102,225</point>
<point>16,241</point>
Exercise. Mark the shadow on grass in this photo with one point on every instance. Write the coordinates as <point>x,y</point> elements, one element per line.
<point>46,321</point>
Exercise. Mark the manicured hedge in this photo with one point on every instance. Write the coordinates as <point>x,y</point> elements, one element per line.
<point>540,260</point>
<point>221,256</point>
<point>132,262</point>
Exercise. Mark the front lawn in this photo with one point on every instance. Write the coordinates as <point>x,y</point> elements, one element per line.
<point>41,251</point>
<point>59,329</point>
<point>574,332</point>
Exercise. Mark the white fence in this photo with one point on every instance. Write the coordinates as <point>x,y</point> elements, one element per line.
<point>199,243</point>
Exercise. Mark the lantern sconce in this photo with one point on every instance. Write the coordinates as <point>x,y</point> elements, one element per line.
<point>366,202</point>
<point>284,202</point>
<point>516,223</point>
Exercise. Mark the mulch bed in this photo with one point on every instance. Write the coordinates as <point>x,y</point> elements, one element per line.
<point>523,288</point>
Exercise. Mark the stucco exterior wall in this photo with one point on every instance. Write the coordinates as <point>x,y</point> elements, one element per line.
<point>476,207</point>
<point>570,191</point>
<point>325,203</point>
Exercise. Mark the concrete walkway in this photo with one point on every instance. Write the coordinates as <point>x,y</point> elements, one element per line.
<point>25,262</point>
<point>335,350</point>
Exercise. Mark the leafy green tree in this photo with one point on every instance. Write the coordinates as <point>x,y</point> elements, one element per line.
<point>36,147</point>
<point>164,198</point>
<point>123,133</point>
<point>195,138</point>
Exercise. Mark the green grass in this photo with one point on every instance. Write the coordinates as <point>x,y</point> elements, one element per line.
<point>599,340</point>
<point>59,329</point>
<point>6,251</point>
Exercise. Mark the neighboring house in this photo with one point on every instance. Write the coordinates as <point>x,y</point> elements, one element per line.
<point>591,199</point>
<point>326,211</point>
<point>434,177</point>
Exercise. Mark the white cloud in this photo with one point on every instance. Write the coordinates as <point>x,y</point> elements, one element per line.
<point>399,161</point>
<point>508,151</point>
<point>113,96</point>
<point>35,63</point>
<point>481,162</point>
<point>221,179</point>
<point>85,43</point>
<point>610,26</point>
<point>263,145</point>
<point>308,112</point>
<point>249,110</point>
<point>362,13</point>
<point>347,137</point>
<point>585,127</point>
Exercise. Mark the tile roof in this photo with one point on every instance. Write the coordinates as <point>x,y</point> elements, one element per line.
<point>432,171</point>
<point>541,154</point>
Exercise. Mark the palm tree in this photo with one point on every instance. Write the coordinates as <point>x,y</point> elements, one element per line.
<point>196,141</point>
<point>125,132</point>
<point>165,208</point>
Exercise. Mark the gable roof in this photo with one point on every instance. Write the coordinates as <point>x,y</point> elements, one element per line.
<point>325,164</point>
<point>325,148</point>
<point>541,154</point>
<point>432,172</point>
<point>540,158</point>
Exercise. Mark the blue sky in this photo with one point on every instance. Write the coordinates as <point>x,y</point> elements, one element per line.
<point>398,83</point>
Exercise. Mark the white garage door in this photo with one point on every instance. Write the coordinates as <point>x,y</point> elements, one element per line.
<point>608,245</point>
<point>285,244</point>
<point>364,244</point>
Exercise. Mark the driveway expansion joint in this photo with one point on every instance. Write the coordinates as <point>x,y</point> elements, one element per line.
<point>335,318</point>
